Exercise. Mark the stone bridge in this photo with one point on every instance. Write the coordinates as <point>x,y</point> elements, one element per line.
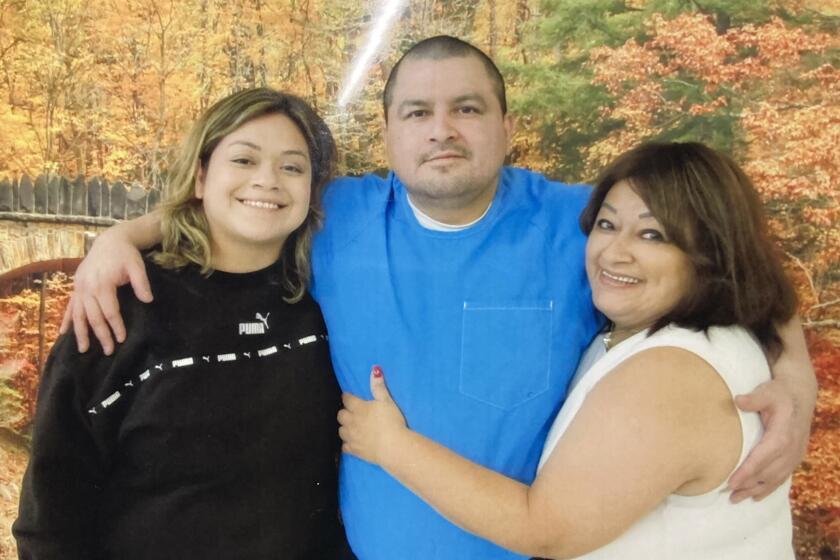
<point>48,223</point>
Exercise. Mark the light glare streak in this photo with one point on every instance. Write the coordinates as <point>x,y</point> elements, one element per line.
<point>389,12</point>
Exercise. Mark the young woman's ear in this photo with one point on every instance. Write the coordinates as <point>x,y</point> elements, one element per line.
<point>200,176</point>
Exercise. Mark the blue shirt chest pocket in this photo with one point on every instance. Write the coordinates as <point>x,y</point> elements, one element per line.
<point>506,351</point>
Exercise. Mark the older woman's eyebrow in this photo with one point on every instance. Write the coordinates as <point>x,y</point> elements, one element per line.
<point>612,209</point>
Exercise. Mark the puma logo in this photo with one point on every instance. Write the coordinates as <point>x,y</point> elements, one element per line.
<point>255,328</point>
<point>263,320</point>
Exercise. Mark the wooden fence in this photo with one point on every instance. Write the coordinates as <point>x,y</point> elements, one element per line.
<point>53,195</point>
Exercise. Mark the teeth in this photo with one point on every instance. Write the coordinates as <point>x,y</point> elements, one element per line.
<point>260,204</point>
<point>617,278</point>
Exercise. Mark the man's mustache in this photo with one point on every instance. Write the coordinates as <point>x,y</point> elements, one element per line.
<point>446,149</point>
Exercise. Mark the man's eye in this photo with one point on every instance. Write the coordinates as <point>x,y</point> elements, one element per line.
<point>417,114</point>
<point>242,160</point>
<point>468,109</point>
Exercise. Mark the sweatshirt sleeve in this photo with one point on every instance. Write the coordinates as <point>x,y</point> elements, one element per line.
<point>63,481</point>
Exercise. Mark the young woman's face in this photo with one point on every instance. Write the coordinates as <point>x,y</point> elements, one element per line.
<point>255,192</point>
<point>637,275</point>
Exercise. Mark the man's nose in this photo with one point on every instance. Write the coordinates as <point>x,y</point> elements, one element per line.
<point>443,128</point>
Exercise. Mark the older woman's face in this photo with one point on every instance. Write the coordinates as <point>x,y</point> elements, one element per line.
<point>637,274</point>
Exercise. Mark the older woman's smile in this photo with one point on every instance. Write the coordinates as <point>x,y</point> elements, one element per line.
<point>619,279</point>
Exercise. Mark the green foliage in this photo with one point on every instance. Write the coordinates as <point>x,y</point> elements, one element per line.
<point>584,24</point>
<point>554,85</point>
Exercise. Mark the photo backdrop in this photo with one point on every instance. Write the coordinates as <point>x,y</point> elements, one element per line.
<point>95,95</point>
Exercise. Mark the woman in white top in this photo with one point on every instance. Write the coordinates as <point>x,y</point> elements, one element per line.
<point>636,463</point>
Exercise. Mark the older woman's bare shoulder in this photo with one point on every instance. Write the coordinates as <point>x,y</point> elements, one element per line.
<point>668,369</point>
<point>680,397</point>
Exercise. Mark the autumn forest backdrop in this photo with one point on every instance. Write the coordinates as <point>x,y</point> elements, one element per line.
<point>104,90</point>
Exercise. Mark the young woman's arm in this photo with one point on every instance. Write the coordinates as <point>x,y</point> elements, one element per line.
<point>60,493</point>
<point>113,260</point>
<point>644,432</point>
<point>786,405</point>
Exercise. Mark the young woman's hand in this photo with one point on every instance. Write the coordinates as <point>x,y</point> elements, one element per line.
<point>371,430</point>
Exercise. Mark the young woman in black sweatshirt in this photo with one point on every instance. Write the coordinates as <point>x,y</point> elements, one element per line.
<point>211,431</point>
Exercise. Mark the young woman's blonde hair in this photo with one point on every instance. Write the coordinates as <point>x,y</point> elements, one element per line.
<point>184,225</point>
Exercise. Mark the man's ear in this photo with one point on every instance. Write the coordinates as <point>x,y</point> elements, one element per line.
<point>200,176</point>
<point>384,137</point>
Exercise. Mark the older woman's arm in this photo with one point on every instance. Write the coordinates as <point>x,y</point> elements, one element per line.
<point>644,432</point>
<point>786,405</point>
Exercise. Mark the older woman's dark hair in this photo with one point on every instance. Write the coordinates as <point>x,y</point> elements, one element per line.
<point>709,209</point>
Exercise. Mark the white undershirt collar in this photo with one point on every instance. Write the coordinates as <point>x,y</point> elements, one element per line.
<point>430,223</point>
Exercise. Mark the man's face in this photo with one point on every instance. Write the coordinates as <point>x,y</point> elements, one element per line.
<point>446,136</point>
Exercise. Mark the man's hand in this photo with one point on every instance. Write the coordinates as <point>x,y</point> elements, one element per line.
<point>787,427</point>
<point>112,262</point>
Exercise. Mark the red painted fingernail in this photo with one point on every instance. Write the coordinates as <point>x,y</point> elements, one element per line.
<point>376,371</point>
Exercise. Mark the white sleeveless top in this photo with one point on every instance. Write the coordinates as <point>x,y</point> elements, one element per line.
<point>700,527</point>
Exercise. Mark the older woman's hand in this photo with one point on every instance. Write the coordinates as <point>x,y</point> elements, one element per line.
<point>371,429</point>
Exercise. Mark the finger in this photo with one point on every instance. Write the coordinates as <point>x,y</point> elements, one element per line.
<point>343,416</point>
<point>750,473</point>
<point>350,401</point>
<point>93,315</point>
<point>764,490</point>
<point>758,490</point>
<point>763,486</point>
<point>140,282</point>
<point>767,488</point>
<point>741,495</point>
<point>342,433</point>
<point>753,402</point>
<point>769,460</point>
<point>107,301</point>
<point>762,464</point>
<point>67,319</point>
<point>377,385</point>
<point>80,326</point>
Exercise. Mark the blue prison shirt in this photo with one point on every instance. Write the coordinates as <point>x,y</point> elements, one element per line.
<point>478,332</point>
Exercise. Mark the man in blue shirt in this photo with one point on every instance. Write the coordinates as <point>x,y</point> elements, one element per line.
<point>464,280</point>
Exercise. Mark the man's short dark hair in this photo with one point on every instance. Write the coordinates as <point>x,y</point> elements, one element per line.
<point>439,48</point>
